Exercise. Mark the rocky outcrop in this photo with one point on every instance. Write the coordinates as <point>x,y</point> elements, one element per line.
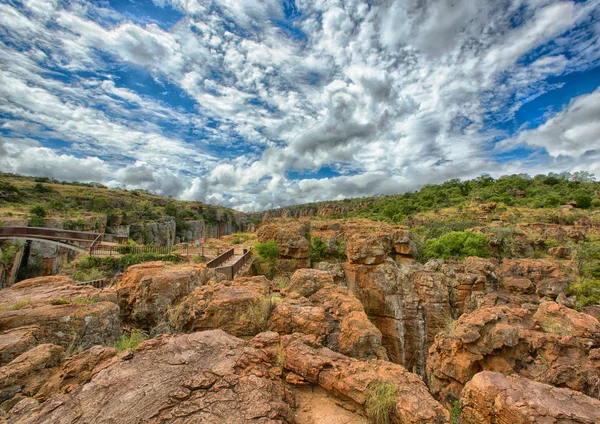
<point>313,304</point>
<point>208,377</point>
<point>491,397</point>
<point>556,345</point>
<point>27,373</point>
<point>292,239</point>
<point>240,307</point>
<point>350,379</point>
<point>54,310</point>
<point>147,292</point>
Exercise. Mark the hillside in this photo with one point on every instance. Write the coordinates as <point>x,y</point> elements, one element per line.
<point>38,201</point>
<point>544,193</point>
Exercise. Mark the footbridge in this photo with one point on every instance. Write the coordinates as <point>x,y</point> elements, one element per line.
<point>230,263</point>
<point>80,241</point>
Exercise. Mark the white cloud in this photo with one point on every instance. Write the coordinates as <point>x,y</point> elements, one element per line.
<point>389,94</point>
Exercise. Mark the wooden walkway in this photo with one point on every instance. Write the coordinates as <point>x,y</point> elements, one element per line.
<point>229,263</point>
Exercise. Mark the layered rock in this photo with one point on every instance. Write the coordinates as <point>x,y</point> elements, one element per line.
<point>292,239</point>
<point>314,305</point>
<point>556,345</point>
<point>147,292</point>
<point>208,377</point>
<point>491,397</point>
<point>54,310</point>
<point>240,307</point>
<point>351,379</point>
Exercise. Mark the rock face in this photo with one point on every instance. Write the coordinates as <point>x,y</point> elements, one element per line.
<point>350,378</point>
<point>240,307</point>
<point>54,310</point>
<point>146,292</point>
<point>491,397</point>
<point>292,239</point>
<point>208,377</point>
<point>556,345</point>
<point>314,305</point>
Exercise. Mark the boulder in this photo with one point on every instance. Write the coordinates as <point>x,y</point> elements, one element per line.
<point>146,292</point>
<point>15,341</point>
<point>54,310</point>
<point>209,377</point>
<point>292,239</point>
<point>491,397</point>
<point>27,373</point>
<point>560,252</point>
<point>351,379</point>
<point>518,285</point>
<point>306,281</point>
<point>513,340</point>
<point>239,307</point>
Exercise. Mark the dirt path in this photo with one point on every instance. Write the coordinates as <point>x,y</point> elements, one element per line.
<point>316,406</point>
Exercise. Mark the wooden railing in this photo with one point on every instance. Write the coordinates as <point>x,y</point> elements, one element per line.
<point>221,259</point>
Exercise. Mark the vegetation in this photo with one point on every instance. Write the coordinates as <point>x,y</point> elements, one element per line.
<point>586,292</point>
<point>8,256</point>
<point>520,190</point>
<point>77,301</point>
<point>458,244</point>
<point>43,197</point>
<point>268,253</point>
<point>317,249</point>
<point>257,315</point>
<point>18,305</point>
<point>381,402</point>
<point>455,412</point>
<point>130,341</point>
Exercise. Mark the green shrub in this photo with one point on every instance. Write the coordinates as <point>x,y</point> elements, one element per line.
<point>130,341</point>
<point>317,249</point>
<point>41,188</point>
<point>36,221</point>
<point>8,256</point>
<point>455,412</point>
<point>38,210</point>
<point>267,251</point>
<point>586,292</point>
<point>583,201</point>
<point>458,244</point>
<point>17,305</point>
<point>381,402</point>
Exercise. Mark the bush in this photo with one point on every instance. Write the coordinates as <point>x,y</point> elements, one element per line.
<point>583,201</point>
<point>38,210</point>
<point>586,292</point>
<point>41,188</point>
<point>458,244</point>
<point>317,249</point>
<point>8,256</point>
<point>130,341</point>
<point>381,402</point>
<point>267,251</point>
<point>36,221</point>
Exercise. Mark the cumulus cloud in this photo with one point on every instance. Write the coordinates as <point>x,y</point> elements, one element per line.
<point>385,96</point>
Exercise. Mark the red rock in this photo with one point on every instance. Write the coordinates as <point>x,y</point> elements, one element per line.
<point>239,307</point>
<point>494,398</point>
<point>146,292</point>
<point>306,282</point>
<point>349,378</point>
<point>518,285</point>
<point>206,377</point>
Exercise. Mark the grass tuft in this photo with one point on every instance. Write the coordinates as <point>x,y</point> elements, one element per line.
<point>130,341</point>
<point>381,402</point>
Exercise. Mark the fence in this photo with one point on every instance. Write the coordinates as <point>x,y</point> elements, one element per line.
<point>230,271</point>
<point>221,259</point>
<point>99,283</point>
<point>123,250</point>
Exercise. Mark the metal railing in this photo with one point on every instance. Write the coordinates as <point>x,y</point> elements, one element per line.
<point>49,233</point>
<point>98,283</point>
<point>221,259</point>
<point>135,250</point>
<point>230,271</point>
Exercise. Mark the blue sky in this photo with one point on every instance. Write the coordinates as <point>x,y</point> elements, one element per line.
<point>258,104</point>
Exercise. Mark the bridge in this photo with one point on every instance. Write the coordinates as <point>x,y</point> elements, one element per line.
<point>80,241</point>
<point>230,263</point>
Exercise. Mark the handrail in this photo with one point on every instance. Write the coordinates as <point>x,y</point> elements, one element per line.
<point>50,233</point>
<point>221,259</point>
<point>230,271</point>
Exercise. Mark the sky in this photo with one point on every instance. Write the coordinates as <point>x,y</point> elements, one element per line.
<point>257,104</point>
